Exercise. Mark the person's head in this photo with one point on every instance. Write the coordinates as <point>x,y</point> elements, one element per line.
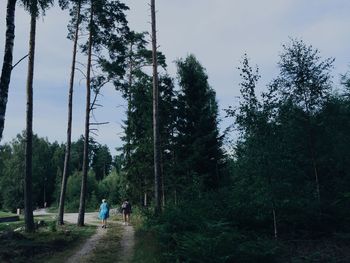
<point>103,200</point>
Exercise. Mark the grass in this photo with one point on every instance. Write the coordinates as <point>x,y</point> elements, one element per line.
<point>146,248</point>
<point>109,245</point>
<point>53,209</point>
<point>54,244</point>
<point>10,226</point>
<point>6,214</point>
<point>331,250</point>
<point>47,244</point>
<point>72,242</point>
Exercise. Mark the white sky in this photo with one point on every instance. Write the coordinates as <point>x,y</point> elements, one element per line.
<point>218,32</point>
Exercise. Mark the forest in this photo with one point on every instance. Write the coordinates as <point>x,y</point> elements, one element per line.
<point>272,187</point>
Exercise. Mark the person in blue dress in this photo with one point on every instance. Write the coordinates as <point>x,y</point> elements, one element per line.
<point>104,213</point>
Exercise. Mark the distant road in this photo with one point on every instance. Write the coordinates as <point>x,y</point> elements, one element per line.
<point>90,218</point>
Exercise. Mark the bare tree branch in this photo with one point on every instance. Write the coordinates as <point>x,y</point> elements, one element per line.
<point>99,123</point>
<point>93,132</point>
<point>19,61</point>
<point>82,72</point>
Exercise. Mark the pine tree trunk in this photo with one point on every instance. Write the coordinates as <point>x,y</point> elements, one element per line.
<point>156,143</point>
<point>87,129</point>
<point>312,151</point>
<point>69,126</point>
<point>316,180</point>
<point>128,143</point>
<point>7,62</point>
<point>162,179</point>
<point>145,202</point>
<point>314,165</point>
<point>28,204</point>
<point>269,171</point>
<point>274,222</point>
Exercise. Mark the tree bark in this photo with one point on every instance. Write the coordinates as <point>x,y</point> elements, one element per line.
<point>156,141</point>
<point>69,126</point>
<point>312,148</point>
<point>162,178</point>
<point>28,204</point>
<point>128,143</point>
<point>7,62</point>
<point>87,128</point>
<point>314,165</point>
<point>145,203</point>
<point>274,222</point>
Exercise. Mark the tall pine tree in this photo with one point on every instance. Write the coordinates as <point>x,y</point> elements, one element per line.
<point>198,143</point>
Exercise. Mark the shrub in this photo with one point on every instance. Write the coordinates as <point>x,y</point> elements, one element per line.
<point>201,230</point>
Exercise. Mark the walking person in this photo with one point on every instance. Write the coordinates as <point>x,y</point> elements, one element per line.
<point>104,213</point>
<point>126,211</point>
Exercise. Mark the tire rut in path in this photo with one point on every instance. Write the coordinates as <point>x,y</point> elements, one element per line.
<point>127,243</point>
<point>88,247</point>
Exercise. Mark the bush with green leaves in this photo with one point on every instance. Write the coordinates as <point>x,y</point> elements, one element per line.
<point>112,188</point>
<point>73,192</point>
<point>201,230</point>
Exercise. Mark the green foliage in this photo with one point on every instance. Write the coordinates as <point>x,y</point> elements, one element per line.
<point>34,7</point>
<point>112,188</point>
<point>47,171</point>
<point>197,143</point>
<point>136,87</point>
<point>109,30</point>
<point>201,230</point>
<point>43,245</point>
<point>147,248</point>
<point>289,172</point>
<point>52,226</point>
<point>6,214</point>
<point>47,162</point>
<point>101,161</point>
<point>73,192</point>
<point>105,250</point>
<point>285,143</point>
<point>77,150</point>
<point>304,79</point>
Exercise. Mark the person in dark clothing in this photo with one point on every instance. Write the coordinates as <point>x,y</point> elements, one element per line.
<point>126,211</point>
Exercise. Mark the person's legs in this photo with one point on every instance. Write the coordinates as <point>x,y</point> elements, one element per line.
<point>128,218</point>
<point>104,223</point>
<point>124,217</point>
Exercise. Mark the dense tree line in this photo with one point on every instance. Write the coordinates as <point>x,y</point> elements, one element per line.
<point>47,172</point>
<point>288,177</point>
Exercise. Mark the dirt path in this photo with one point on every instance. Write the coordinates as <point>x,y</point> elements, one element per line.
<point>127,241</point>
<point>85,250</point>
<point>127,244</point>
<point>90,244</point>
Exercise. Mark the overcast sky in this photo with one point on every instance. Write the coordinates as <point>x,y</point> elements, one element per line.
<point>218,32</point>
